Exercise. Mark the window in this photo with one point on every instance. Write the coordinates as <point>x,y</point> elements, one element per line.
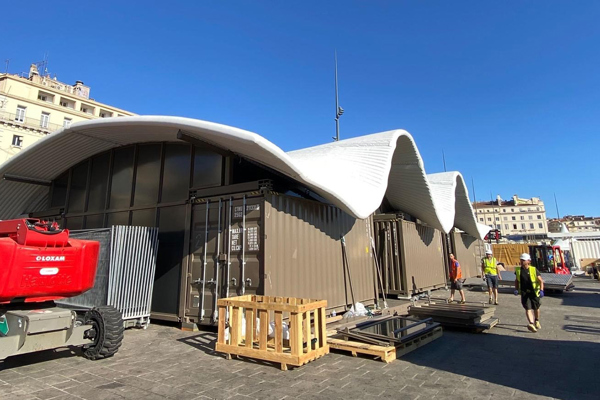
<point>522,226</point>
<point>503,210</point>
<point>514,218</point>
<point>498,227</point>
<point>481,219</point>
<point>505,218</point>
<point>539,217</point>
<point>497,219</point>
<point>522,217</point>
<point>17,141</point>
<point>489,219</point>
<point>531,226</point>
<point>512,210</point>
<point>531,217</point>
<point>541,226</point>
<point>514,226</point>
<point>506,226</point>
<point>47,97</point>
<point>44,120</point>
<point>105,114</point>
<point>67,122</point>
<point>20,116</point>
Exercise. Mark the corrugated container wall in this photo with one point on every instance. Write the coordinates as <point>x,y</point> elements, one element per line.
<point>585,251</point>
<point>411,256</point>
<point>303,252</point>
<point>422,257</point>
<point>467,251</point>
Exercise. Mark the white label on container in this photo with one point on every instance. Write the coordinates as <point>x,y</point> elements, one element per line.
<point>48,271</point>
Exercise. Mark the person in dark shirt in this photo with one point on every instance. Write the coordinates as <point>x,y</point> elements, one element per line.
<point>530,285</point>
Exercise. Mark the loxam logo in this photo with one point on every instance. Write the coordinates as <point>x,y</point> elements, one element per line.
<point>50,258</point>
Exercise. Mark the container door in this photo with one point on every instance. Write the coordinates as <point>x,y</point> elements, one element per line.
<point>225,254</point>
<point>245,246</point>
<point>205,278</point>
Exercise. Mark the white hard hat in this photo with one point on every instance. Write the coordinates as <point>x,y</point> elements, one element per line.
<point>488,252</point>
<point>525,257</point>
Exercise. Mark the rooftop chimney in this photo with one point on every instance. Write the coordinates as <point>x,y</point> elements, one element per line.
<point>33,71</point>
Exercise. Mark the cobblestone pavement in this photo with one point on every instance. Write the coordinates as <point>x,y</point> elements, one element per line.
<point>561,361</point>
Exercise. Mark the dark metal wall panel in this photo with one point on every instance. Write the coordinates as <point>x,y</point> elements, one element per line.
<point>466,249</point>
<point>422,257</point>
<point>303,252</point>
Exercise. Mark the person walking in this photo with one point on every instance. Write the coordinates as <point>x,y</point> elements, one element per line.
<point>491,273</point>
<point>530,285</point>
<point>456,280</point>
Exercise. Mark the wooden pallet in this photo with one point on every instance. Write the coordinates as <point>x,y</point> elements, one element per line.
<point>386,354</point>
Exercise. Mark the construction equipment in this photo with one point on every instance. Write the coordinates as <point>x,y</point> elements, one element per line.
<point>549,259</point>
<point>38,265</point>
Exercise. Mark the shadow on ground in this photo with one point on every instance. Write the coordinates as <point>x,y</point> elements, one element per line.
<point>552,368</point>
<point>40,356</point>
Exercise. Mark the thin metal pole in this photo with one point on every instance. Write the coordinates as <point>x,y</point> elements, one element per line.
<point>556,204</point>
<point>444,158</point>
<point>337,107</point>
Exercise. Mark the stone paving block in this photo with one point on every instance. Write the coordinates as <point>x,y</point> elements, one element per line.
<point>66,384</point>
<point>49,393</point>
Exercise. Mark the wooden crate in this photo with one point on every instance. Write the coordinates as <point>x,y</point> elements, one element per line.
<point>306,320</point>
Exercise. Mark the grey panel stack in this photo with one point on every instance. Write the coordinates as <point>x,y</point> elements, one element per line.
<point>551,281</point>
<point>125,273</point>
<point>132,268</point>
<point>98,295</point>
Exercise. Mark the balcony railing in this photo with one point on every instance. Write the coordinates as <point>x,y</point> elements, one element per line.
<point>27,122</point>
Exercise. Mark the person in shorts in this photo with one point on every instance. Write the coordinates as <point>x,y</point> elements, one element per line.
<point>530,285</point>
<point>491,272</point>
<point>456,280</point>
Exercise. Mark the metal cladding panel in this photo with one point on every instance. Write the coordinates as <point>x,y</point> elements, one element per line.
<point>422,256</point>
<point>583,250</point>
<point>467,251</point>
<point>303,252</point>
<point>98,295</point>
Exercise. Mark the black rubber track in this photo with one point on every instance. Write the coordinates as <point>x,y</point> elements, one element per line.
<point>108,323</point>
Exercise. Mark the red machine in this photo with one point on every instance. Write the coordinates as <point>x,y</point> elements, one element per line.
<point>549,259</point>
<point>39,264</point>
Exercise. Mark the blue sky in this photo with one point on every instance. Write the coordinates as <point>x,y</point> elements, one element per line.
<point>510,91</point>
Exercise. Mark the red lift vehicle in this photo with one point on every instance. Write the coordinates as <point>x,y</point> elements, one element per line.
<point>550,259</point>
<point>40,264</point>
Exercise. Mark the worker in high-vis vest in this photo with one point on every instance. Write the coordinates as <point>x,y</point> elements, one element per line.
<point>456,281</point>
<point>530,285</point>
<point>491,274</point>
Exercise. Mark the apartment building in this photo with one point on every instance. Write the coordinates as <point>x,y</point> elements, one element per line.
<point>514,217</point>
<point>32,106</point>
<point>575,223</point>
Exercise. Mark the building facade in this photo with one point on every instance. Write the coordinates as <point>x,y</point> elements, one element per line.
<point>33,106</point>
<point>515,217</point>
<point>575,224</point>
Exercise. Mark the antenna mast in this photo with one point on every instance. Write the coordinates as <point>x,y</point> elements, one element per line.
<point>338,110</point>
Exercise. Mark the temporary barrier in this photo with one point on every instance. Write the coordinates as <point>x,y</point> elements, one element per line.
<point>264,243</point>
<point>410,255</point>
<point>509,253</point>
<point>126,268</point>
<point>585,252</point>
<point>468,251</point>
<point>248,330</point>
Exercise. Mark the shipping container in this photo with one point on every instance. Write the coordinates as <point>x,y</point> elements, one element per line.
<point>266,243</point>
<point>469,251</point>
<point>411,256</point>
<point>585,252</point>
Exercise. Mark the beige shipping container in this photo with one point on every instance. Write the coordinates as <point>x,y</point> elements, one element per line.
<point>275,245</point>
<point>411,256</point>
<point>468,251</point>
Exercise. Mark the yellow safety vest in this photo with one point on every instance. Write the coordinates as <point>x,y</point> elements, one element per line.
<point>490,266</point>
<point>533,275</point>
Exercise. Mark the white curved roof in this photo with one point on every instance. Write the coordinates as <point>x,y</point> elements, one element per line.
<point>354,174</point>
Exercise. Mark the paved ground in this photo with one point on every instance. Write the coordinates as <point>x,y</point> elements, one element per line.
<point>561,361</point>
